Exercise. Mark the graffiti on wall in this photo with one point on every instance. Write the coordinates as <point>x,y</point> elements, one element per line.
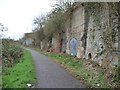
<point>73,47</point>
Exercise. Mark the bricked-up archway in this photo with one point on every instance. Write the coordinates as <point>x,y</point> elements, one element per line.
<point>73,47</point>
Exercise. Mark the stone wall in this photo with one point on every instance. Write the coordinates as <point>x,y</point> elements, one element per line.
<point>90,33</point>
<point>28,41</point>
<point>92,28</point>
<point>56,42</point>
<point>45,44</point>
<point>76,31</point>
<point>100,45</point>
<point>98,23</point>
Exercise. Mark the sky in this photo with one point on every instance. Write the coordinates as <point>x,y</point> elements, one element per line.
<point>18,15</point>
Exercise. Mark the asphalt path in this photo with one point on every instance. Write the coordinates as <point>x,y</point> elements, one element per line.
<point>51,75</point>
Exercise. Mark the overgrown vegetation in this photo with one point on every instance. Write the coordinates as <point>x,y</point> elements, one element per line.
<point>21,73</point>
<point>10,53</point>
<point>2,29</point>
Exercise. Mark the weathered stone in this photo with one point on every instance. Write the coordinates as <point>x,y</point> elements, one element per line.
<point>76,31</point>
<point>56,42</point>
<point>80,53</point>
<point>94,34</point>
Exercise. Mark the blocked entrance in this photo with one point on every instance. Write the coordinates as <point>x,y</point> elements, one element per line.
<point>73,47</point>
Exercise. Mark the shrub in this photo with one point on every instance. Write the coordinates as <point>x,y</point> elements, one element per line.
<point>10,52</point>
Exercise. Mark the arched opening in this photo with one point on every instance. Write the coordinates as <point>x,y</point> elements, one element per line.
<point>89,56</point>
<point>73,47</point>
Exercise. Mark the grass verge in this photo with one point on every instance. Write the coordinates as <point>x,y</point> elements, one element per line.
<point>21,73</point>
<point>0,77</point>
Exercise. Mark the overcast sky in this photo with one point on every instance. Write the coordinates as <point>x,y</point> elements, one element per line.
<point>18,15</point>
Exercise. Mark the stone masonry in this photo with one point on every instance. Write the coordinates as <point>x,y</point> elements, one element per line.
<point>97,24</point>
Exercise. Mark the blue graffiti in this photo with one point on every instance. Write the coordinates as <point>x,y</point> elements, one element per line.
<point>73,47</point>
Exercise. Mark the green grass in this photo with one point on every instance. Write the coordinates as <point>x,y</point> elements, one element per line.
<point>0,76</point>
<point>21,73</point>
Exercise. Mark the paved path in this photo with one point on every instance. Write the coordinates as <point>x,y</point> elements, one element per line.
<point>51,75</point>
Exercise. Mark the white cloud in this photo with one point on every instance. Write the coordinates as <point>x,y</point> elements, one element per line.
<point>18,15</point>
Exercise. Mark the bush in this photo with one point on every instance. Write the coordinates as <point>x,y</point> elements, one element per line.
<point>10,52</point>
